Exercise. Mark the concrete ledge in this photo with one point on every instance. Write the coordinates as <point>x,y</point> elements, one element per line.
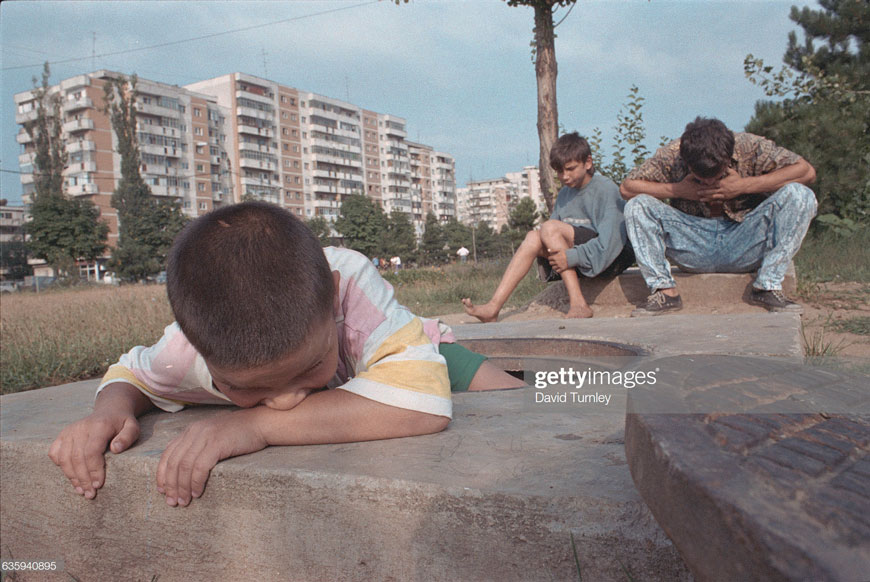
<point>711,289</point>
<point>496,496</point>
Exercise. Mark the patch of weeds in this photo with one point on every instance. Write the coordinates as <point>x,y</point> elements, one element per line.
<point>818,347</point>
<point>856,325</point>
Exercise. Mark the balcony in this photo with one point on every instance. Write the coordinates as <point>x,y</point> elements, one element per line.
<point>82,189</point>
<point>159,150</point>
<point>77,125</point>
<point>255,113</point>
<point>257,164</point>
<point>83,145</point>
<point>27,158</point>
<point>152,109</point>
<point>26,117</point>
<point>26,179</point>
<point>253,147</point>
<point>79,167</point>
<point>81,103</point>
<point>253,130</point>
<point>259,183</point>
<point>23,137</point>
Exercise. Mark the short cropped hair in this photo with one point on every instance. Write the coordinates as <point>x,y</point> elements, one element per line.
<point>571,147</point>
<point>707,146</point>
<point>246,283</point>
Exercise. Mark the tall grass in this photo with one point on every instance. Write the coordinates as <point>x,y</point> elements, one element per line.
<point>826,256</point>
<point>73,334</point>
<point>436,291</point>
<point>62,336</point>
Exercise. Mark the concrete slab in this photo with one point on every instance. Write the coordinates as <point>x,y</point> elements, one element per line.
<point>709,289</point>
<point>496,496</point>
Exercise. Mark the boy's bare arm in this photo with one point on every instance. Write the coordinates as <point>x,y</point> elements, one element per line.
<point>331,416</point>
<point>80,448</point>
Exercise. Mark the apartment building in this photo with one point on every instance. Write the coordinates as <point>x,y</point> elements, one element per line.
<point>491,201</point>
<point>181,141</point>
<point>238,137</point>
<point>528,184</point>
<point>433,182</point>
<point>487,201</point>
<point>308,152</point>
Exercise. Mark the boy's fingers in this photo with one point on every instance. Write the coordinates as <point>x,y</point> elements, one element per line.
<point>83,482</point>
<point>128,435</point>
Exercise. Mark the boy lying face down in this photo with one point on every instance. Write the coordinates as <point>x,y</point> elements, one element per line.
<point>309,343</point>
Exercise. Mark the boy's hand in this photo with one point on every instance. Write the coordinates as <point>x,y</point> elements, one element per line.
<point>558,260</point>
<point>80,448</point>
<point>729,186</point>
<point>185,465</point>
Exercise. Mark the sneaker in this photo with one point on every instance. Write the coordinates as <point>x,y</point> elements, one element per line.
<point>774,300</point>
<point>658,303</point>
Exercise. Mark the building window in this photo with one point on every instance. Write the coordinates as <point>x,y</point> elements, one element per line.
<point>197,112</point>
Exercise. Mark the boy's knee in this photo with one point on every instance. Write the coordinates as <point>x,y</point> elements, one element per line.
<point>801,195</point>
<point>638,205</point>
<point>533,239</point>
<point>550,227</point>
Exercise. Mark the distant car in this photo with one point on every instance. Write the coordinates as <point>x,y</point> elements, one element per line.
<point>160,278</point>
<point>8,288</point>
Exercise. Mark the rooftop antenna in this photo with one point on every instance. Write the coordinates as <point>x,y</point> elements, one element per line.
<point>347,88</point>
<point>265,68</point>
<point>93,51</point>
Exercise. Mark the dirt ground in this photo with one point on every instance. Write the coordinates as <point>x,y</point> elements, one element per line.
<point>836,316</point>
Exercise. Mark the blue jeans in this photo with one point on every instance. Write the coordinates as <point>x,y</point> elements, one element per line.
<point>767,239</point>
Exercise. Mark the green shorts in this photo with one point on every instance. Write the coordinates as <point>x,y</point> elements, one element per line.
<point>462,365</point>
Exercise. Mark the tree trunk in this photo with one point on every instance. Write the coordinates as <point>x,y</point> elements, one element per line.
<point>548,115</point>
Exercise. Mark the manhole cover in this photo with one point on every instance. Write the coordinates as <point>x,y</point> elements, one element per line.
<point>756,469</point>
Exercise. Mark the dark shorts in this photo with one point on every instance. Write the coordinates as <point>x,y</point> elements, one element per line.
<point>624,260</point>
<point>462,365</point>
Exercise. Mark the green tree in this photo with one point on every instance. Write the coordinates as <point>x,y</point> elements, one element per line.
<point>146,226</point>
<point>628,140</point>
<point>321,229</point>
<point>62,230</point>
<point>362,223</point>
<point>524,216</point>
<point>457,235</point>
<point>399,238</point>
<point>432,251</point>
<point>825,113</point>
<point>546,72</point>
<point>13,259</point>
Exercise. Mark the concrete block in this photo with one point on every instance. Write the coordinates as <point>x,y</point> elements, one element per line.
<point>712,289</point>
<point>495,497</point>
<point>775,488</point>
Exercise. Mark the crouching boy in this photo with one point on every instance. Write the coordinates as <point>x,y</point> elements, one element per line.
<point>584,237</point>
<point>309,343</point>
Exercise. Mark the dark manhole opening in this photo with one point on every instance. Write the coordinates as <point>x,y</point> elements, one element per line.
<point>517,355</point>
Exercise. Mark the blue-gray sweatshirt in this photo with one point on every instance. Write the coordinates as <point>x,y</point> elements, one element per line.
<point>596,206</point>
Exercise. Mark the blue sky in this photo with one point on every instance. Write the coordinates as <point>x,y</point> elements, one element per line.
<point>460,72</point>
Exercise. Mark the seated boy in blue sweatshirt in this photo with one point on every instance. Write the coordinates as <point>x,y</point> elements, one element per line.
<point>584,237</point>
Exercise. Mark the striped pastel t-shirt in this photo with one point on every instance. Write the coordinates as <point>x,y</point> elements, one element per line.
<point>386,353</point>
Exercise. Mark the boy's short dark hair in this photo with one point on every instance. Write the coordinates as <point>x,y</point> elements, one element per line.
<point>247,283</point>
<point>571,147</point>
<point>707,146</point>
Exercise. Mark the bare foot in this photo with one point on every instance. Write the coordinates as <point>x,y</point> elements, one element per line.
<point>485,313</point>
<point>579,312</point>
